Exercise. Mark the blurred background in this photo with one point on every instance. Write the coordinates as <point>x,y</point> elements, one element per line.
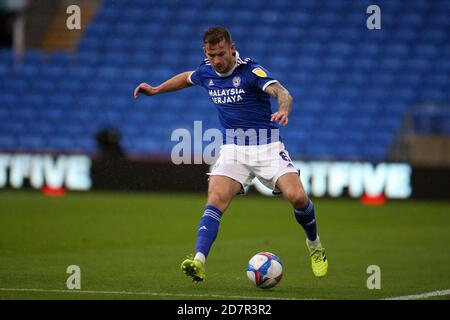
<point>370,125</point>
<point>359,95</point>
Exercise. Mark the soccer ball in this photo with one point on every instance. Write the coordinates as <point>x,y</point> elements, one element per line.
<point>265,270</point>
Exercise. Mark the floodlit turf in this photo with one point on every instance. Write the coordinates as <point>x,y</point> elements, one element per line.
<point>130,246</point>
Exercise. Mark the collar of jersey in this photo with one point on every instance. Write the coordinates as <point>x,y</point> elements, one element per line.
<point>238,63</point>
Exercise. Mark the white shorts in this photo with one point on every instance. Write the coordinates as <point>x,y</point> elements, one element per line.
<point>266,162</point>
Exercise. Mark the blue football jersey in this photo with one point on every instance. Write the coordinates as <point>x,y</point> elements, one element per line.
<point>239,96</point>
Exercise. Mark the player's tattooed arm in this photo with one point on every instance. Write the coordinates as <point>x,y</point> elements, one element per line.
<point>178,82</point>
<point>284,98</point>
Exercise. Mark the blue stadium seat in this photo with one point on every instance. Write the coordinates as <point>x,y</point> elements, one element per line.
<point>13,128</point>
<point>89,44</point>
<point>30,142</point>
<point>8,142</point>
<point>8,98</point>
<point>6,56</point>
<point>70,86</point>
<point>41,128</point>
<point>54,72</point>
<point>87,58</point>
<point>86,144</point>
<point>60,143</point>
<point>61,100</point>
<point>80,72</point>
<point>374,152</point>
<point>61,58</point>
<point>34,57</point>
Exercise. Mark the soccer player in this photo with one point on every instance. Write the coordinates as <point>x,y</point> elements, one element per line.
<point>241,90</point>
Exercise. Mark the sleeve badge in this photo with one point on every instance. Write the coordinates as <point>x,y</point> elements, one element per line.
<point>260,72</point>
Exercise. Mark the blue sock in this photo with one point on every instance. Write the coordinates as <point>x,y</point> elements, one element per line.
<point>208,229</point>
<point>307,220</point>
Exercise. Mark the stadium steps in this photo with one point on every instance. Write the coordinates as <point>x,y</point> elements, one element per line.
<point>58,37</point>
<point>39,15</point>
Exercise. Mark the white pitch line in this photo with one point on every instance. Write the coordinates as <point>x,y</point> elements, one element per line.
<point>166,294</point>
<point>422,295</point>
<point>148,294</point>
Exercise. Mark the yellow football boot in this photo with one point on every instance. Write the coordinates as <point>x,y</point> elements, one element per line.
<point>194,268</point>
<point>319,262</point>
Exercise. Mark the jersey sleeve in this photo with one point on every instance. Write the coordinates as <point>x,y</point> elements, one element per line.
<point>194,77</point>
<point>261,77</point>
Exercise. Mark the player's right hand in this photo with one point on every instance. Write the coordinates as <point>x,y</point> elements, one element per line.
<point>144,88</point>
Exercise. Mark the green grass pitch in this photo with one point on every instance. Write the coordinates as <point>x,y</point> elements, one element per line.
<point>130,246</point>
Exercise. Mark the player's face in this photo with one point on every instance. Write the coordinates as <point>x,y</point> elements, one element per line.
<point>220,56</point>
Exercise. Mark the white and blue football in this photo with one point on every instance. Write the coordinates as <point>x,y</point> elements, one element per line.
<point>265,270</point>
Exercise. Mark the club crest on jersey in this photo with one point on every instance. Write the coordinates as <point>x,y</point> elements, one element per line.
<point>211,83</point>
<point>260,72</point>
<point>236,81</point>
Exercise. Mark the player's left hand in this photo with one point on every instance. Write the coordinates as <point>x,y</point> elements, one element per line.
<point>281,117</point>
